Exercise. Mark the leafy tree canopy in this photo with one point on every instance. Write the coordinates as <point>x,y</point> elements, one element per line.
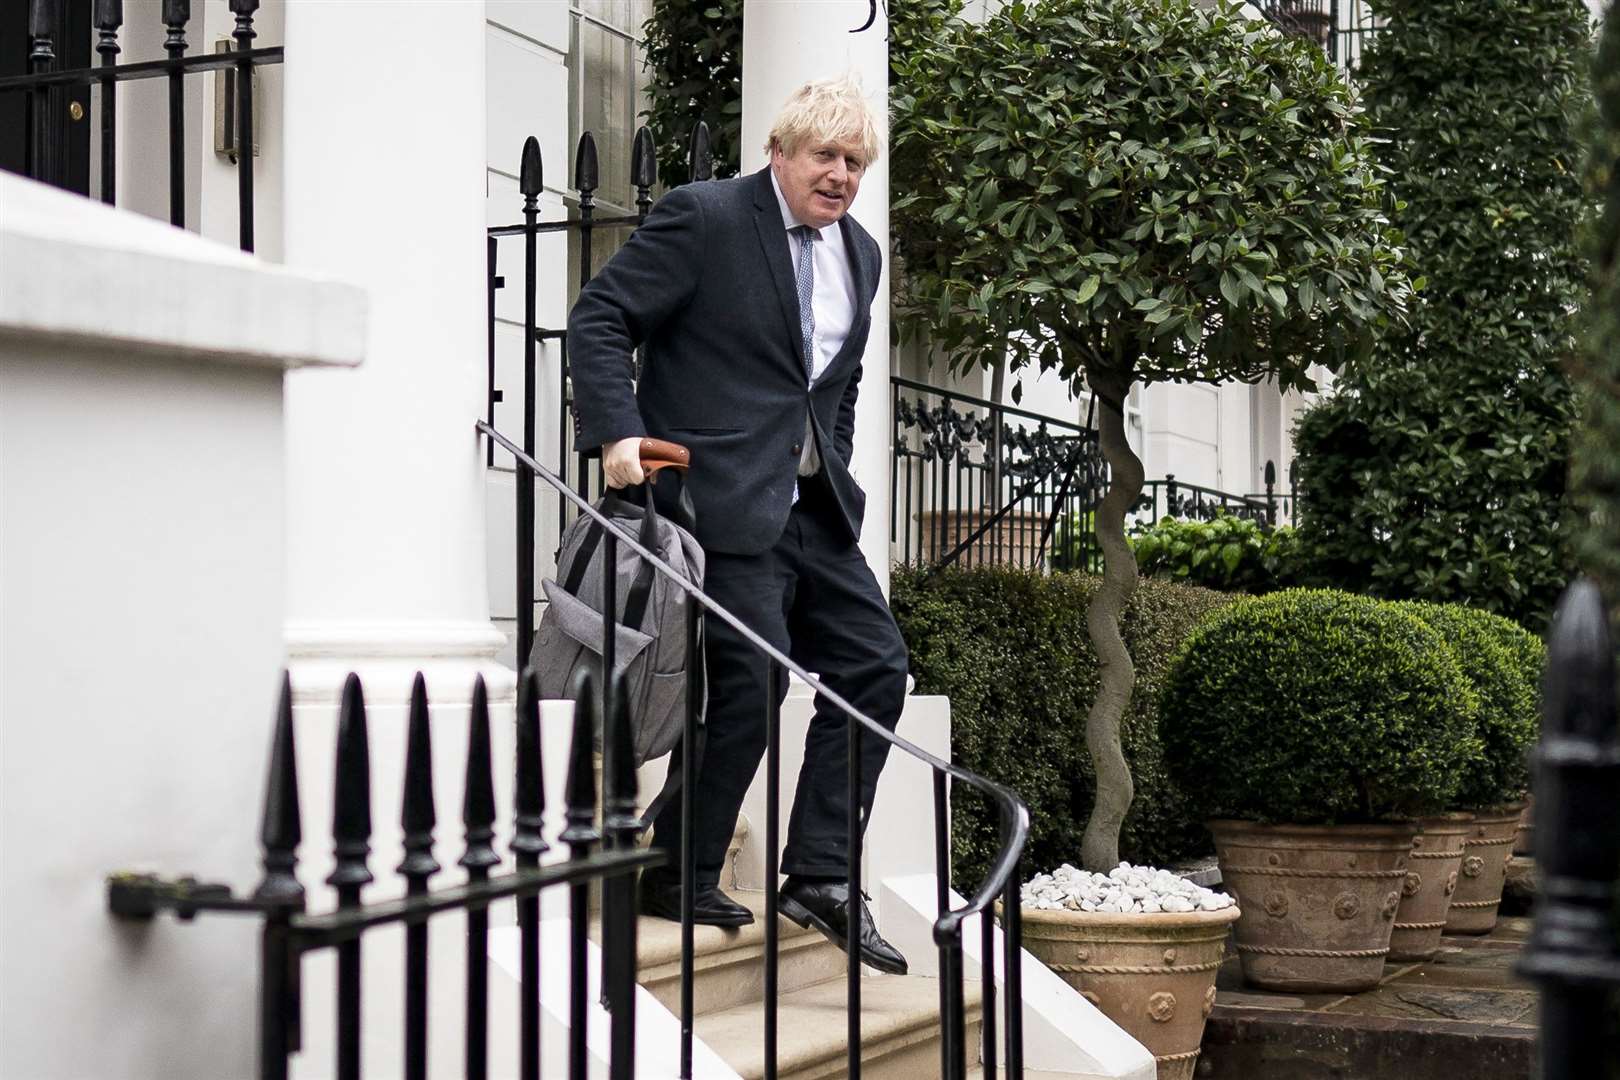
<point>1441,463</point>
<point>1155,189</point>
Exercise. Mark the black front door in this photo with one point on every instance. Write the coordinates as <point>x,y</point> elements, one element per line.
<point>66,162</point>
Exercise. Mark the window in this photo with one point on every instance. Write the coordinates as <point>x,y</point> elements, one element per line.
<point>606,90</point>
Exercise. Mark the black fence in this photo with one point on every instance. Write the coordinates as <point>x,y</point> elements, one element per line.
<point>1340,27</point>
<point>1573,954</point>
<point>1190,502</point>
<point>52,101</point>
<point>290,934</point>
<point>975,482</point>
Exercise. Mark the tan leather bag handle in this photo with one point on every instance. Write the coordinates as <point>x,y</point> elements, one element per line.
<point>659,454</point>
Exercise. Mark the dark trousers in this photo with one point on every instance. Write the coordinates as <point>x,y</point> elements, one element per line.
<point>813,596</point>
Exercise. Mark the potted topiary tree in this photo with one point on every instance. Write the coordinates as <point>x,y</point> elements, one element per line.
<point>1126,191</point>
<point>1313,727</point>
<point>1463,856</point>
<point>1502,662</point>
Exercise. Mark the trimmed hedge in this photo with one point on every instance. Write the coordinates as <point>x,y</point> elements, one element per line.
<point>1229,553</point>
<point>1009,647</point>
<point>1316,706</point>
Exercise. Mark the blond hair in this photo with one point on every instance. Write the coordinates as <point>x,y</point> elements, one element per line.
<point>828,110</point>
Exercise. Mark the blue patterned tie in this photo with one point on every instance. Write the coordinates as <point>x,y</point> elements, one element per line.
<point>807,288</point>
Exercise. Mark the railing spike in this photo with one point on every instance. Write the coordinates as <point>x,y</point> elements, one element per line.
<point>39,19</point>
<point>478,803</point>
<point>281,829</point>
<point>585,171</point>
<point>699,155</point>
<point>643,160</point>
<point>109,16</point>
<point>417,816</point>
<point>176,13</point>
<point>1580,676</point>
<point>244,8</point>
<point>620,794</point>
<point>581,795</point>
<point>351,802</point>
<point>529,172</point>
<point>528,840</point>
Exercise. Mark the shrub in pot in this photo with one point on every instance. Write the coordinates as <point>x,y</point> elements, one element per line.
<point>1502,662</point>
<point>1312,727</point>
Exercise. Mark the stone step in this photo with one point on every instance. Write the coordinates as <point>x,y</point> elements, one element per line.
<point>899,1031</point>
<point>728,967</point>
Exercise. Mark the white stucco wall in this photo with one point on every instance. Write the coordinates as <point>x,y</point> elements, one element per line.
<point>141,592</point>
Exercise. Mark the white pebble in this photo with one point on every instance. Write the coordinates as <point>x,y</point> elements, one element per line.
<point>1124,888</point>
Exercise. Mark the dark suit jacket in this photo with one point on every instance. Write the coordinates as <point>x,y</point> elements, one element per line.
<point>706,284</point>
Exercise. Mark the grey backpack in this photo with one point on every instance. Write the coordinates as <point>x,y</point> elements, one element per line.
<point>650,646</point>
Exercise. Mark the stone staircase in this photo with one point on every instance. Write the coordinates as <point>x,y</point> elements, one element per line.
<point>900,1026</point>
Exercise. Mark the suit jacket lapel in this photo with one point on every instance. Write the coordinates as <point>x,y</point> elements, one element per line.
<point>773,241</point>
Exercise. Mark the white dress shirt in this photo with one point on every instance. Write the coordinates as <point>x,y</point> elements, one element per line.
<point>832,304</point>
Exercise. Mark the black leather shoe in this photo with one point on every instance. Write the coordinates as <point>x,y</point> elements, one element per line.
<point>824,905</point>
<point>710,907</point>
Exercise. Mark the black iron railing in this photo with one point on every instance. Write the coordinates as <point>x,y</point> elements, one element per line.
<point>290,933</point>
<point>1340,27</point>
<point>1574,949</point>
<point>574,483</point>
<point>1190,502</point>
<point>45,86</point>
<point>976,482</point>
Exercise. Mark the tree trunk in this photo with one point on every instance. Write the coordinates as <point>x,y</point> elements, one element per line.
<point>1099,848</point>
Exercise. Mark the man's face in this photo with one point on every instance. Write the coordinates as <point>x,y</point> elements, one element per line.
<point>819,180</point>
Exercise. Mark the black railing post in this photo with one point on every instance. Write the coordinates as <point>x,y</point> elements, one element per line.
<point>852,913</point>
<point>351,843</point>
<point>109,16</point>
<point>580,835</point>
<point>478,818</point>
<point>585,182</point>
<point>528,844</point>
<point>175,15</point>
<point>643,171</point>
<point>1574,948</point>
<point>695,677</point>
<point>775,676</point>
<point>417,820</point>
<point>492,282</point>
<point>1271,494</point>
<point>41,56</point>
<point>620,823</point>
<point>942,905</point>
<point>280,832</point>
<point>1012,945</point>
<point>529,184</point>
<point>243,33</point>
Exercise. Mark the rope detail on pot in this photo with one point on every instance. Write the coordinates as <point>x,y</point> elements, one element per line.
<point>1185,1055</point>
<point>1284,871</point>
<point>1474,903</point>
<point>1420,925</point>
<point>1489,843</point>
<point>1330,954</point>
<point>1134,969</point>
<point>1435,854</point>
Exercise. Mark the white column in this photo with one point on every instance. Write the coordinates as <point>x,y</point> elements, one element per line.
<point>384,186</point>
<point>787,43</point>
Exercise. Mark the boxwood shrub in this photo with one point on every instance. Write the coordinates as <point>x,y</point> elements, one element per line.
<point>1010,649</point>
<point>1503,663</point>
<point>1316,706</point>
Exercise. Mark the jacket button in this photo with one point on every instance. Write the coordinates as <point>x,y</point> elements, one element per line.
<point>798,448</point>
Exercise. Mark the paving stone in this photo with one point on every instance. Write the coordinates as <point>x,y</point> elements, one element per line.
<point>1444,1003</point>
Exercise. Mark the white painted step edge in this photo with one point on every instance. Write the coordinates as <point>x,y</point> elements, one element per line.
<point>1063,1032</point>
<point>658,1031</point>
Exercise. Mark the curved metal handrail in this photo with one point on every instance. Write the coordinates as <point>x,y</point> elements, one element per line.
<point>1014,813</point>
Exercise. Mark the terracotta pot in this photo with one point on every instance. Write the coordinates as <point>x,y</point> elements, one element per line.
<point>1486,851</point>
<point>1153,975</point>
<point>1318,901</point>
<point>1527,829</point>
<point>1436,860</point>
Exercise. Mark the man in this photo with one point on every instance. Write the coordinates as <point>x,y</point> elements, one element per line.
<point>752,299</point>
